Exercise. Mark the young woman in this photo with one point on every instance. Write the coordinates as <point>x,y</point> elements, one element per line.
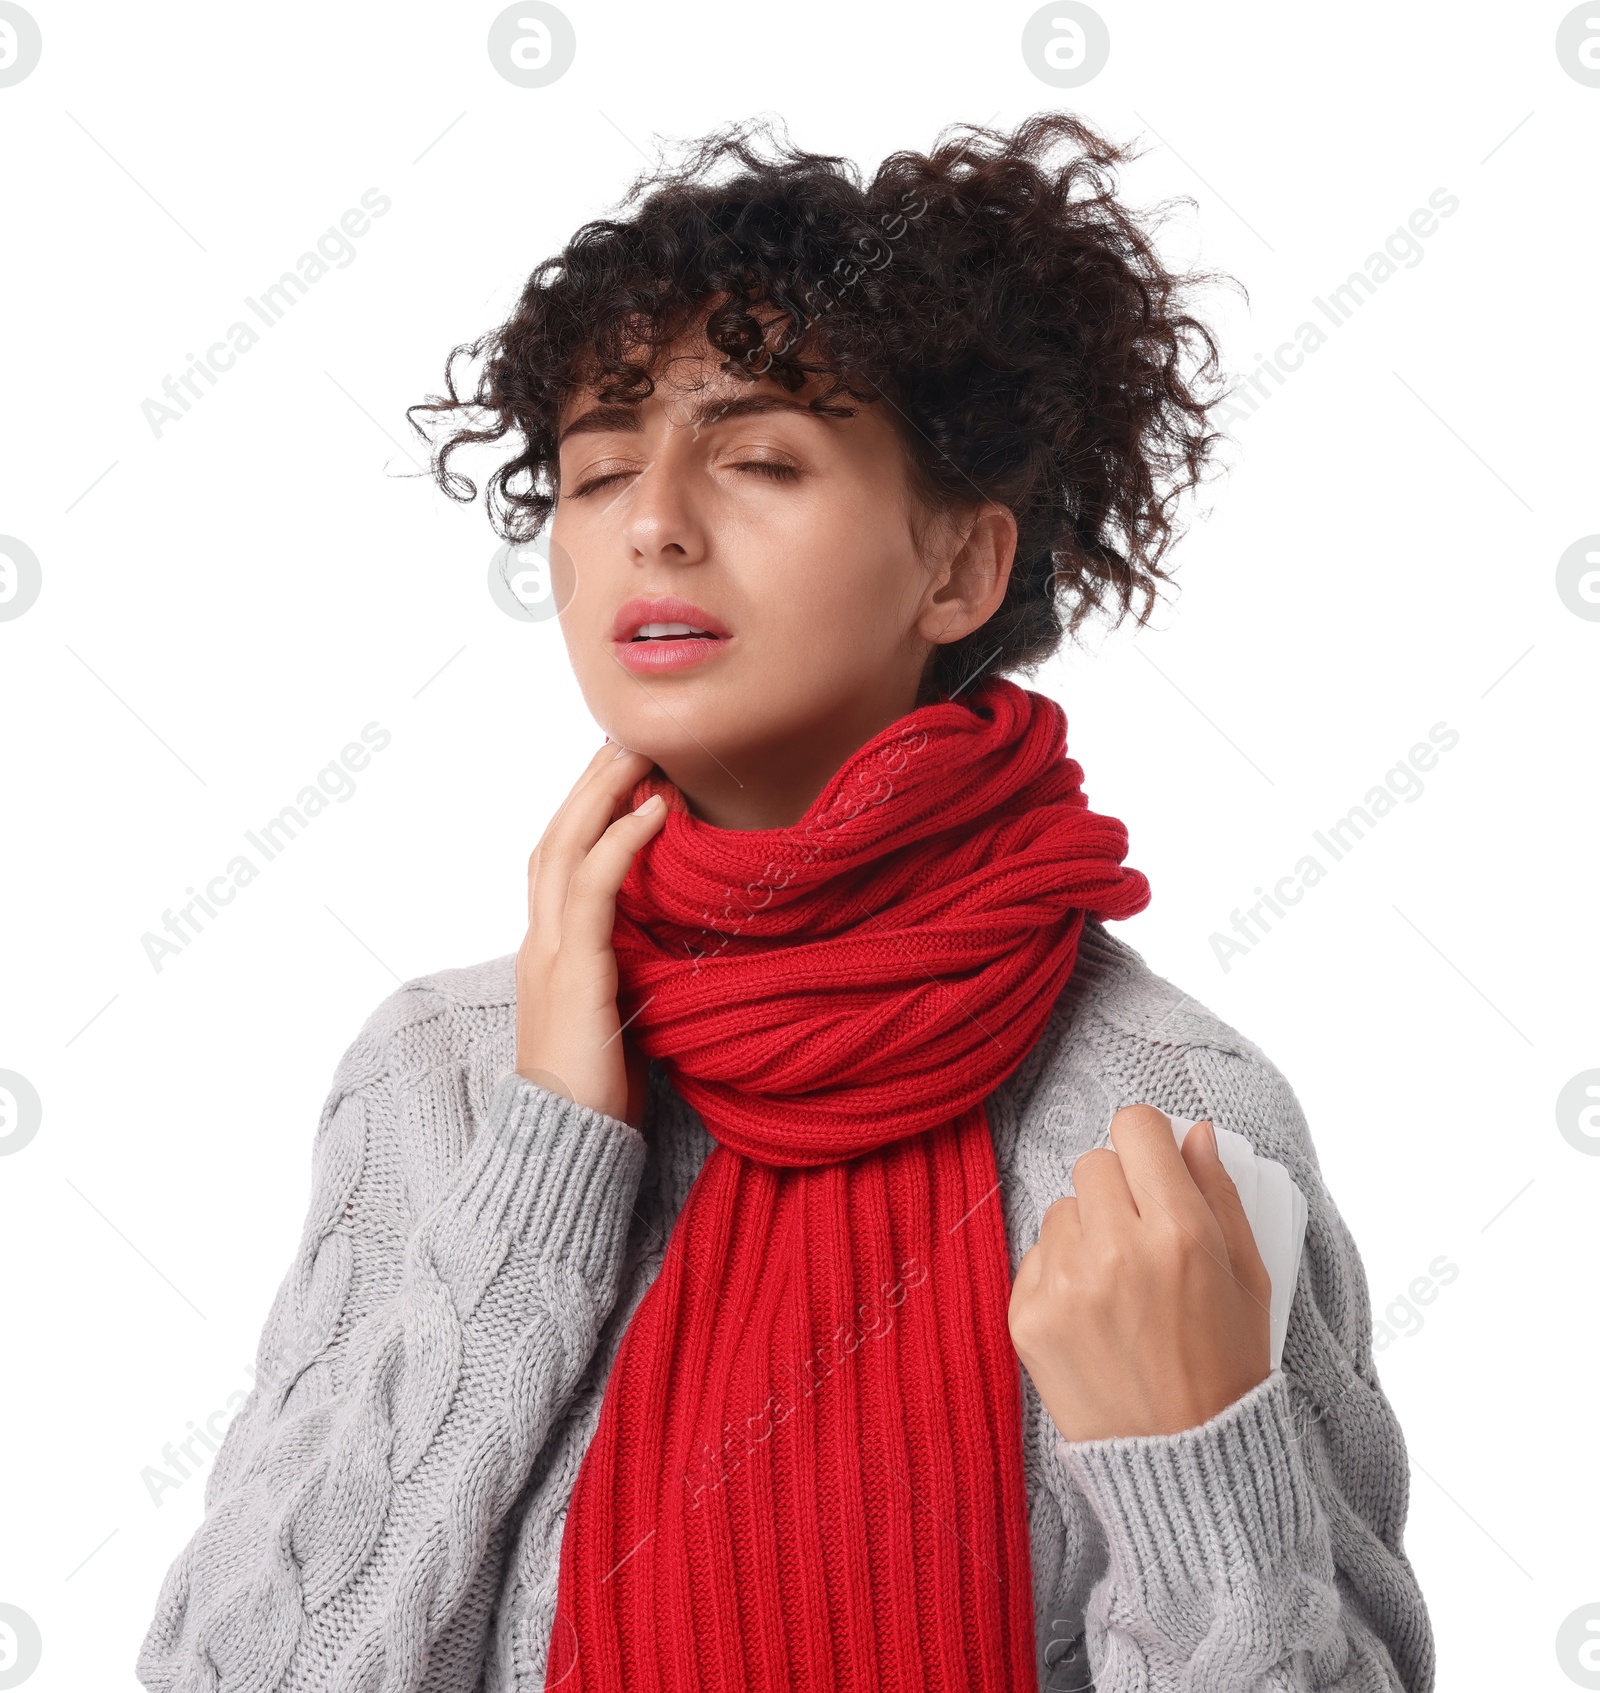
<point>782,1272</point>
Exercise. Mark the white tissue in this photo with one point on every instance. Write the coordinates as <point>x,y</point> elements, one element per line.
<point>1276,1211</point>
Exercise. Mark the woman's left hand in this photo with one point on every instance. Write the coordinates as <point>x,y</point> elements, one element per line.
<point>1143,1306</point>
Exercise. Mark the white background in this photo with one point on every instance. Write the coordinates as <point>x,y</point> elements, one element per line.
<point>224,607</point>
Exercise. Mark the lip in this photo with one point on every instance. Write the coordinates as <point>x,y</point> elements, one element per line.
<point>633,614</point>
<point>679,653</point>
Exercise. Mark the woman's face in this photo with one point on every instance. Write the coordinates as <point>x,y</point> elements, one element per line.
<point>725,505</point>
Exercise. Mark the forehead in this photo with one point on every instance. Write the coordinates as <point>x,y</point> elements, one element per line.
<point>676,377</point>
<point>694,391</point>
<point>689,378</point>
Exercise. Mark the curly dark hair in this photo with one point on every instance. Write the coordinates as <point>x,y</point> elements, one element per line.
<point>1008,310</point>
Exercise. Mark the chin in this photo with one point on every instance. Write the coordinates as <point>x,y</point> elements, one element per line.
<point>670,717</point>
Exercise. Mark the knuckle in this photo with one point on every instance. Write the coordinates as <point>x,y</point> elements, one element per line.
<point>587,879</point>
<point>1020,1325</point>
<point>1110,1262</point>
<point>1094,1297</point>
<point>1178,1258</point>
<point>1056,1213</point>
<point>1031,1318</point>
<point>1067,1283</point>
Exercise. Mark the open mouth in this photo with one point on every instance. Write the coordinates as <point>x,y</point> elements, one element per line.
<point>672,632</point>
<point>654,633</point>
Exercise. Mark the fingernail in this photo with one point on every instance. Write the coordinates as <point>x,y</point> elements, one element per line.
<point>645,805</point>
<point>1209,1131</point>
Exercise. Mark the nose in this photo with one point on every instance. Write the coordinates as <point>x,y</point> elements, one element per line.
<point>661,523</point>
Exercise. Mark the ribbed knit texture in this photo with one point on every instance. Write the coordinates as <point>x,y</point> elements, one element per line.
<point>387,1508</point>
<point>807,1472</point>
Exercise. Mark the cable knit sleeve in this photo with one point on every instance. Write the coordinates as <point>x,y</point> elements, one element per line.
<point>1263,1549</point>
<point>410,1370</point>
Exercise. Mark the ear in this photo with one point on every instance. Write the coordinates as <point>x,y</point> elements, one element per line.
<point>970,569</point>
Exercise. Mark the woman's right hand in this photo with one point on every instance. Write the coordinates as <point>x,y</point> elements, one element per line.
<point>569,1034</point>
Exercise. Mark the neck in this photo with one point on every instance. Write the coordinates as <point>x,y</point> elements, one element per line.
<point>772,784</point>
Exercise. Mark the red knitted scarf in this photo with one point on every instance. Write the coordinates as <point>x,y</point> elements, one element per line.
<point>807,1471</point>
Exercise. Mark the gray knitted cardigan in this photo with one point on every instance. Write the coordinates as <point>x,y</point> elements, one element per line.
<point>386,1509</point>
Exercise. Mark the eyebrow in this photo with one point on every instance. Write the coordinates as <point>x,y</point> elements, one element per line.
<point>615,415</point>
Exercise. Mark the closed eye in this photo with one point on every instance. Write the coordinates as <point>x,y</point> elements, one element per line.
<point>598,482</point>
<point>764,467</point>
